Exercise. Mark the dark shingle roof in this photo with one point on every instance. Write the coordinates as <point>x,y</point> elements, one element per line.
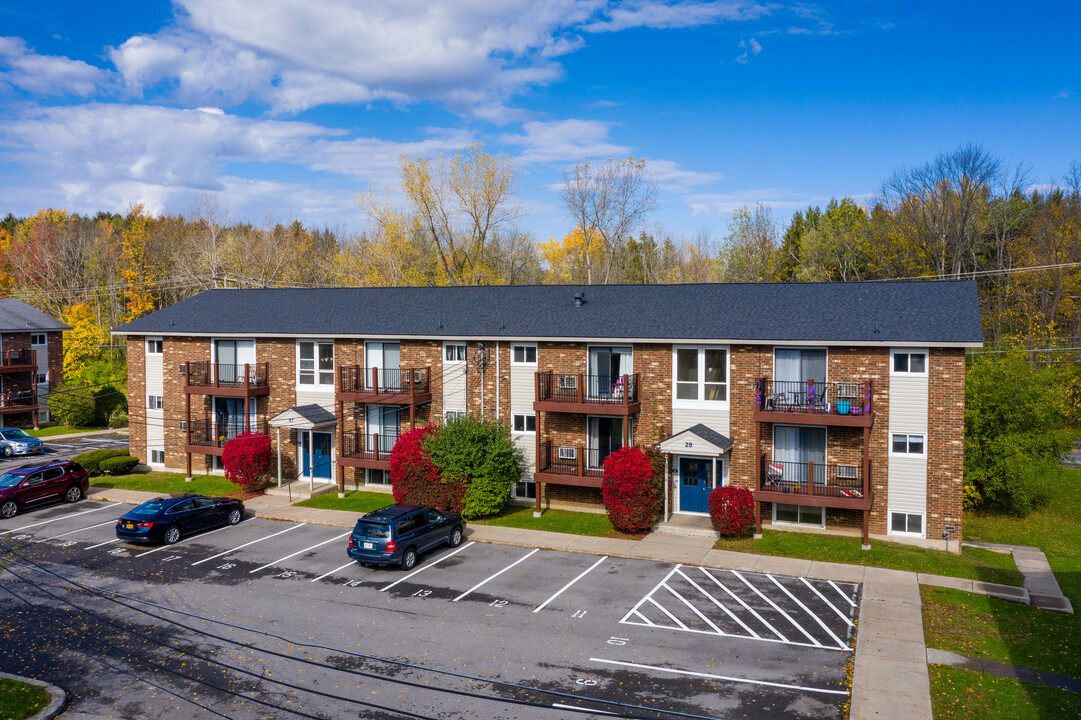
<point>710,435</point>
<point>914,312</point>
<point>17,316</point>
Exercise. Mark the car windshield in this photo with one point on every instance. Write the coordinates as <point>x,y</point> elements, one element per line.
<point>371,529</point>
<point>11,480</point>
<point>16,434</point>
<point>148,509</point>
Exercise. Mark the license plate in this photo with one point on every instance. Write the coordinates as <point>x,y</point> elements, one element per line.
<point>369,546</point>
<point>129,526</point>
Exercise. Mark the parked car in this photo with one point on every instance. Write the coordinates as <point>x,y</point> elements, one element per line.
<point>397,534</point>
<point>40,483</point>
<point>14,441</point>
<point>167,519</point>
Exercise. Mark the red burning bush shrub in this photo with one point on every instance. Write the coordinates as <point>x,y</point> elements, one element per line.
<point>416,479</point>
<point>630,490</point>
<point>248,459</point>
<point>732,510</point>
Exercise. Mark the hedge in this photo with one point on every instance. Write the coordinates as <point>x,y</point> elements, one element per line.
<point>121,465</point>
<point>630,490</point>
<point>91,461</point>
<point>731,510</point>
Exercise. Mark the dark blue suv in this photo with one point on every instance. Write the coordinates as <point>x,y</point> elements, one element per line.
<point>396,534</point>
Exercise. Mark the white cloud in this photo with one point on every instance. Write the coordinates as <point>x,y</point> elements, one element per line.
<point>710,204</point>
<point>50,75</point>
<point>648,13</point>
<point>670,176</point>
<point>563,140</point>
<point>749,47</point>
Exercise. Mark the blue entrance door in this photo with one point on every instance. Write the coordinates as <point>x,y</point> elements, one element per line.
<point>694,484</point>
<point>319,457</point>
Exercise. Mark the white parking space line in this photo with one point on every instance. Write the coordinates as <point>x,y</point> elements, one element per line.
<point>298,552</point>
<point>165,547</point>
<point>107,542</point>
<point>726,678</point>
<point>842,594</point>
<point>52,444</point>
<point>343,567</point>
<point>72,532</point>
<point>431,564</point>
<point>560,591</point>
<point>580,709</point>
<point>778,609</point>
<point>238,547</point>
<point>63,517</point>
<point>832,607</point>
<point>807,610</point>
<point>746,607</point>
<point>493,577</point>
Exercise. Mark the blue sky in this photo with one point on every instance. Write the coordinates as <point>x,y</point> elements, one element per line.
<point>286,109</point>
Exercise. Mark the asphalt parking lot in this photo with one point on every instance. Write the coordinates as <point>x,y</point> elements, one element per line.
<point>483,630</point>
<point>67,448</point>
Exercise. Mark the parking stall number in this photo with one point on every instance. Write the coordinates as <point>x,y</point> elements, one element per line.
<point>353,583</point>
<point>170,558</point>
<point>422,593</point>
<point>226,566</point>
<point>498,603</point>
<point>618,640</point>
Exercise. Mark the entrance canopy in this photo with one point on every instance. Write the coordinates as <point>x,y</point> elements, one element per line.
<point>304,417</point>
<point>695,440</point>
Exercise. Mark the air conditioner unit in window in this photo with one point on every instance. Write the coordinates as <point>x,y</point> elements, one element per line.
<point>848,390</point>
<point>847,472</point>
<point>568,453</point>
<point>183,424</point>
<point>567,382</point>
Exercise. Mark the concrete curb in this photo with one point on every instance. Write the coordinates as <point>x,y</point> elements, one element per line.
<point>58,696</point>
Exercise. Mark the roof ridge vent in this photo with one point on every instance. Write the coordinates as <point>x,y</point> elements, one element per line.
<point>579,299</point>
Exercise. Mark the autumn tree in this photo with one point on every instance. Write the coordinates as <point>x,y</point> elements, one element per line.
<point>750,250</point>
<point>137,273</point>
<point>835,247</point>
<point>608,202</point>
<point>84,342</point>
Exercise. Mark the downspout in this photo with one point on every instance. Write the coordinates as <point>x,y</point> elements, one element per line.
<point>498,380</point>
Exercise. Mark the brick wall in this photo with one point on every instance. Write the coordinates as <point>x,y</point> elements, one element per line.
<point>137,389</point>
<point>945,441</point>
<point>56,358</point>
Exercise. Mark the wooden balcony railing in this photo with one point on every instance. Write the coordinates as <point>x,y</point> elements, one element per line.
<point>20,360</point>
<point>367,446</point>
<point>210,436</point>
<point>571,392</point>
<point>18,402</point>
<point>570,465</point>
<point>834,403</point>
<point>203,375</point>
<point>397,385</point>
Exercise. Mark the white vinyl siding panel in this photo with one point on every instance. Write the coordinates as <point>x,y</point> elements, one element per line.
<point>316,397</point>
<point>908,414</point>
<point>455,387</point>
<point>718,420</point>
<point>528,445</point>
<point>522,388</point>
<point>155,382</point>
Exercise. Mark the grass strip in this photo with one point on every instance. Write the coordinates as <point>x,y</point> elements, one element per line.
<point>19,700</point>
<point>958,694</point>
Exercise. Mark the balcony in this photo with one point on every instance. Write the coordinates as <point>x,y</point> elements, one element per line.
<point>384,386</point>
<point>587,394</point>
<point>366,450</point>
<point>209,437</point>
<point>19,402</point>
<point>569,465</point>
<point>14,361</point>
<point>207,378</point>
<point>841,404</point>
<point>835,486</point>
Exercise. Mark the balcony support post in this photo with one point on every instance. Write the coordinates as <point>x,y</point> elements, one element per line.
<point>626,403</point>
<point>667,483</point>
<point>217,376</point>
<point>536,438</point>
<point>866,486</point>
<point>311,460</point>
<point>759,461</point>
<point>375,380</point>
<point>581,464</point>
<point>187,415</point>
<point>341,448</point>
<point>579,385</point>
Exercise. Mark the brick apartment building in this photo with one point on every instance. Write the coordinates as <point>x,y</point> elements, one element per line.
<point>841,405</point>
<point>31,360</point>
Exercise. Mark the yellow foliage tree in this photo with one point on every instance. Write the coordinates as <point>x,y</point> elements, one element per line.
<point>568,260</point>
<point>83,342</point>
<point>136,270</point>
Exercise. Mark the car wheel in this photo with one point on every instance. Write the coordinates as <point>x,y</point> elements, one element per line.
<point>74,494</point>
<point>456,537</point>
<point>409,559</point>
<point>235,516</point>
<point>8,452</point>
<point>172,535</point>
<point>8,509</point>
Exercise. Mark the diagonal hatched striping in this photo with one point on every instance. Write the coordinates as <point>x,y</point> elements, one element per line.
<point>754,606</point>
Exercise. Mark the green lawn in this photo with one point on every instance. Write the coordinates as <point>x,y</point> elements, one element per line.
<point>19,700</point>
<point>563,521</point>
<point>998,630</point>
<point>167,482</point>
<point>61,430</point>
<point>973,563</point>
<point>357,501</point>
<point>965,695</point>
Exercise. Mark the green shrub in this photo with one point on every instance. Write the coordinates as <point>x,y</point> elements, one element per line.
<point>91,461</point>
<point>72,405</point>
<point>118,465</point>
<point>481,454</point>
<point>109,403</point>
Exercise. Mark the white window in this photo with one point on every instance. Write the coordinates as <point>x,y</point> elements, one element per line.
<point>523,354</point>
<point>43,378</point>
<point>701,374</point>
<point>452,414</point>
<point>157,457</point>
<point>525,423</point>
<point>153,346</point>
<point>905,523</point>
<point>907,444</point>
<point>376,477</point>
<point>909,362</point>
<point>799,515</point>
<point>315,364</point>
<point>154,402</point>
<point>37,339</point>
<point>454,352</point>
<point>525,490</point>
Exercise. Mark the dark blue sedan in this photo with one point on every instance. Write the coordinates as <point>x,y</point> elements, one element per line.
<point>167,519</point>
